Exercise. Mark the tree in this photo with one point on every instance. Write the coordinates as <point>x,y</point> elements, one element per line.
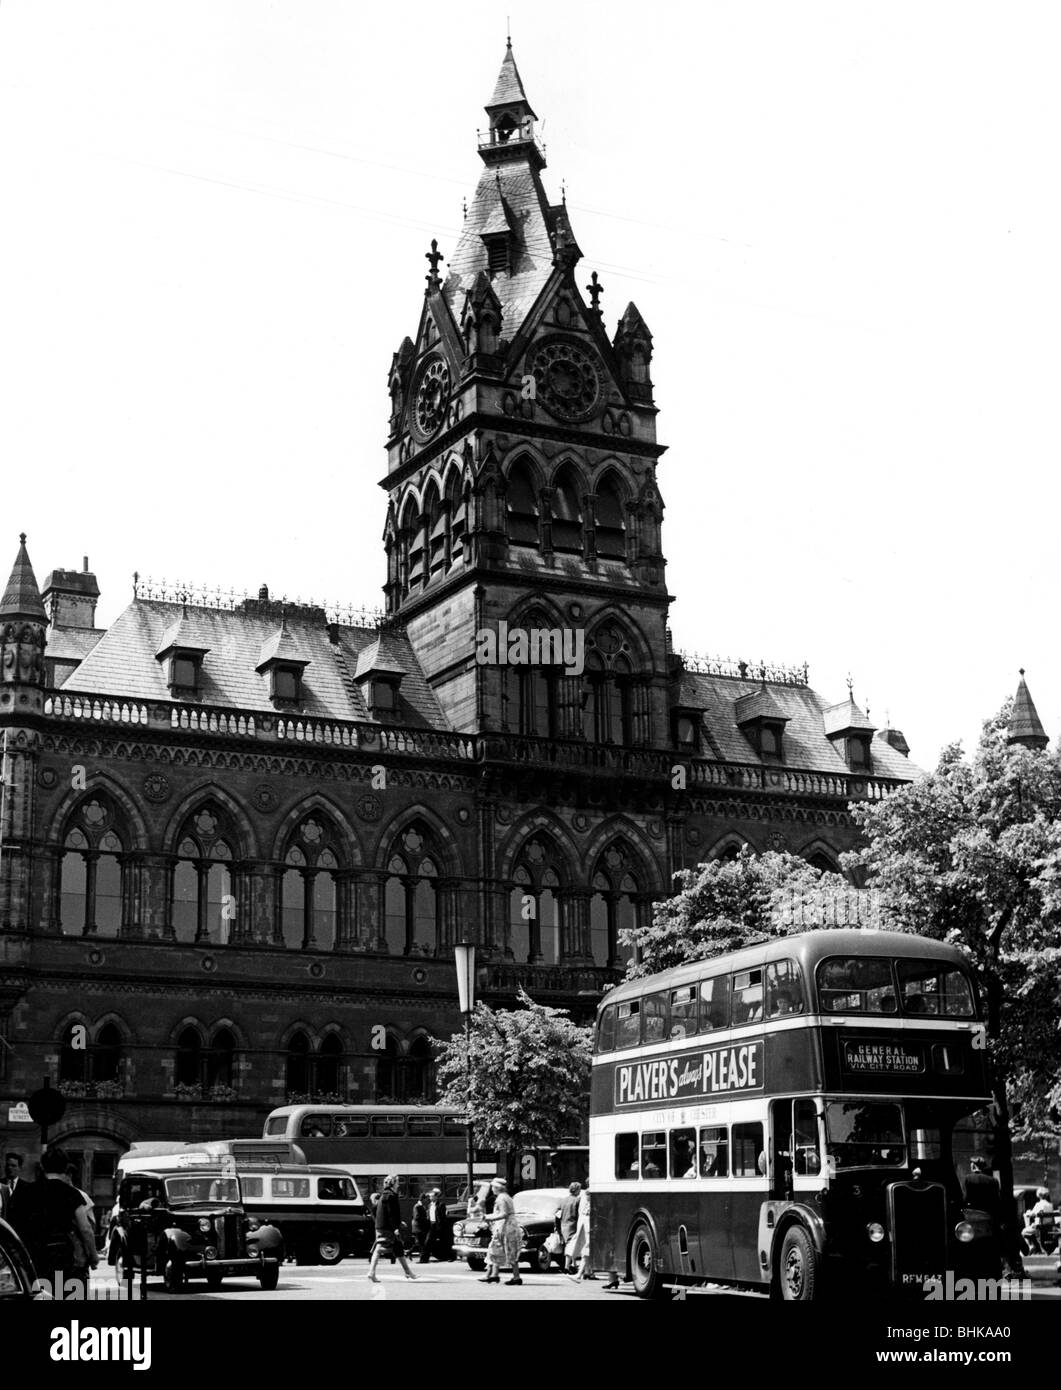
<point>528,1078</point>
<point>971,854</point>
<point>722,906</point>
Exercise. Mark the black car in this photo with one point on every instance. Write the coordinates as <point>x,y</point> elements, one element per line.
<point>536,1212</point>
<point>16,1269</point>
<point>190,1224</point>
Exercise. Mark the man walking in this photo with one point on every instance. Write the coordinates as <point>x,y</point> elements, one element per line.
<point>435,1239</point>
<point>12,1177</point>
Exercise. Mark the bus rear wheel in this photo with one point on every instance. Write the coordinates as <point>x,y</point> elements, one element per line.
<point>798,1273</point>
<point>643,1254</point>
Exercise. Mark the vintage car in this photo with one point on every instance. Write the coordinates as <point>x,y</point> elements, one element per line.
<point>536,1211</point>
<point>319,1211</point>
<point>17,1276</point>
<point>190,1224</point>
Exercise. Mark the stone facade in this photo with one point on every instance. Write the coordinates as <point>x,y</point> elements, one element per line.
<point>240,839</point>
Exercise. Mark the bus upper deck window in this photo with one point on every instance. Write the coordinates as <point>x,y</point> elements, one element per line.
<point>927,987</point>
<point>856,985</point>
<point>316,1127</point>
<point>628,1023</point>
<point>389,1126</point>
<point>784,989</point>
<point>653,1018</point>
<point>683,1012</point>
<point>452,1127</point>
<point>606,1030</point>
<point>626,1158</point>
<point>714,1003</point>
<point>747,997</point>
<point>425,1126</point>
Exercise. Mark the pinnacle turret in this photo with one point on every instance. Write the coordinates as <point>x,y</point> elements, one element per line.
<point>1025,726</point>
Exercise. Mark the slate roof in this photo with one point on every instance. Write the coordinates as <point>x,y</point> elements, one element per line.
<point>806,746</point>
<point>71,643</point>
<point>508,195</point>
<point>123,662</point>
<point>846,715</point>
<point>508,89</point>
<point>1025,726</point>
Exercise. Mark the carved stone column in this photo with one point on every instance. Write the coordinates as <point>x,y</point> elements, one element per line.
<point>346,920</point>
<point>371,911</point>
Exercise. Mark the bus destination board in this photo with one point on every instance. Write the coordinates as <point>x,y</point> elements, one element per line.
<point>891,1057</point>
<point>716,1071</point>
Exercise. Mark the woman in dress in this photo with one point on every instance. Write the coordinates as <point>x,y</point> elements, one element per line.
<point>506,1238</point>
<point>580,1246</point>
<point>388,1230</point>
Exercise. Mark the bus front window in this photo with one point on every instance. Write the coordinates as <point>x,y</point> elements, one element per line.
<point>864,1134</point>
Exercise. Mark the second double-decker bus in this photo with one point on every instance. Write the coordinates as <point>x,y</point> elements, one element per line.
<point>783,1118</point>
<point>426,1145</point>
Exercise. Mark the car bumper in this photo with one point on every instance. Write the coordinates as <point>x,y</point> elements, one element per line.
<point>198,1265</point>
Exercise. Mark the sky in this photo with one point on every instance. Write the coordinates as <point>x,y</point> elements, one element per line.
<point>840,221</point>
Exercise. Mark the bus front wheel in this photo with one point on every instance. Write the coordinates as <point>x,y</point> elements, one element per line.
<point>798,1272</point>
<point>643,1260</point>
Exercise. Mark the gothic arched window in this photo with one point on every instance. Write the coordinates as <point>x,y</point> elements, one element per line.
<point>521,500</point>
<point>330,1067</point>
<point>411,919</point>
<point>187,1067</point>
<point>92,870</point>
<point>607,691</point>
<point>73,1059</point>
<point>567,513</point>
<point>221,1059</point>
<point>610,521</point>
<point>204,907</point>
<point>534,916</point>
<point>297,1070</point>
<point>106,1061</point>
<point>411,547</point>
<point>611,908</point>
<point>309,890</point>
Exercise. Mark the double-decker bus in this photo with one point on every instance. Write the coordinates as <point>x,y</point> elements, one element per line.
<point>784,1115</point>
<point>426,1145</point>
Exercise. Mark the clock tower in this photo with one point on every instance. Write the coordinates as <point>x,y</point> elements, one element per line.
<point>521,472</point>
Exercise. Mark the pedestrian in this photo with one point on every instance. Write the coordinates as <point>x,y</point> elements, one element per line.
<point>73,1173</point>
<point>12,1177</point>
<point>435,1238</point>
<point>63,1241</point>
<point>506,1236</point>
<point>981,1189</point>
<point>580,1246</point>
<point>420,1221</point>
<point>569,1224</point>
<point>388,1230</point>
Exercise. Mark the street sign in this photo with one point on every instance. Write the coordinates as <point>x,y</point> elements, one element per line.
<point>19,1114</point>
<point>46,1106</point>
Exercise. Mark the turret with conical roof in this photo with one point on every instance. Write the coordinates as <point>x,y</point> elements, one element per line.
<point>23,620</point>
<point>1025,726</point>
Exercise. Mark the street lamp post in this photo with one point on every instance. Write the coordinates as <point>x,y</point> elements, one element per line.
<point>464,955</point>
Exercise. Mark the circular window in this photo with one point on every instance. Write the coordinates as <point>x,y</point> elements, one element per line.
<point>567,379</point>
<point>431,397</point>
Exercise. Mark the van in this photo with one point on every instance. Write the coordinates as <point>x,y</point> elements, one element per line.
<point>319,1211</point>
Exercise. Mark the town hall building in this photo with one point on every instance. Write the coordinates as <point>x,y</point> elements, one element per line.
<point>241,837</point>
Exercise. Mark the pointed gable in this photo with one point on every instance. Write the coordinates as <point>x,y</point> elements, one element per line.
<point>22,597</point>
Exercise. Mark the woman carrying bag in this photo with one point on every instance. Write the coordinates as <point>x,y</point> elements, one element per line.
<point>388,1230</point>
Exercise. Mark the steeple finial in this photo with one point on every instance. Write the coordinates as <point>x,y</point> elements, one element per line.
<point>596,289</point>
<point>434,280</point>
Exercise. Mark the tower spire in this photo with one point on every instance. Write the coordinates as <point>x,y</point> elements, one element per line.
<point>1025,726</point>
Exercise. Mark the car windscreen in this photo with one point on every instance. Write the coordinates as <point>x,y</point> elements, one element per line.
<point>537,1206</point>
<point>183,1192</point>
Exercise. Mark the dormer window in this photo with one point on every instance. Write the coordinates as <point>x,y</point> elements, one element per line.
<point>379,677</point>
<point>685,724</point>
<point>497,254</point>
<point>183,658</point>
<point>762,721</point>
<point>851,733</point>
<point>383,696</point>
<point>282,664</point>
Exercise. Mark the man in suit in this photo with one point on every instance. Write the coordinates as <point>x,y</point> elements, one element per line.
<point>12,1178</point>
<point>437,1238</point>
<point>420,1224</point>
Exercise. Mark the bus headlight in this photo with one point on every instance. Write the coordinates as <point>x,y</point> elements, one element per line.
<point>875,1231</point>
<point>965,1231</point>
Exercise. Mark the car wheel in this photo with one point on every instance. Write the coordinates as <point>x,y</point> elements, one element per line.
<point>643,1253</point>
<point>213,1279</point>
<point>543,1259</point>
<point>798,1271</point>
<point>269,1277</point>
<point>176,1280</point>
<point>477,1263</point>
<point>329,1252</point>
